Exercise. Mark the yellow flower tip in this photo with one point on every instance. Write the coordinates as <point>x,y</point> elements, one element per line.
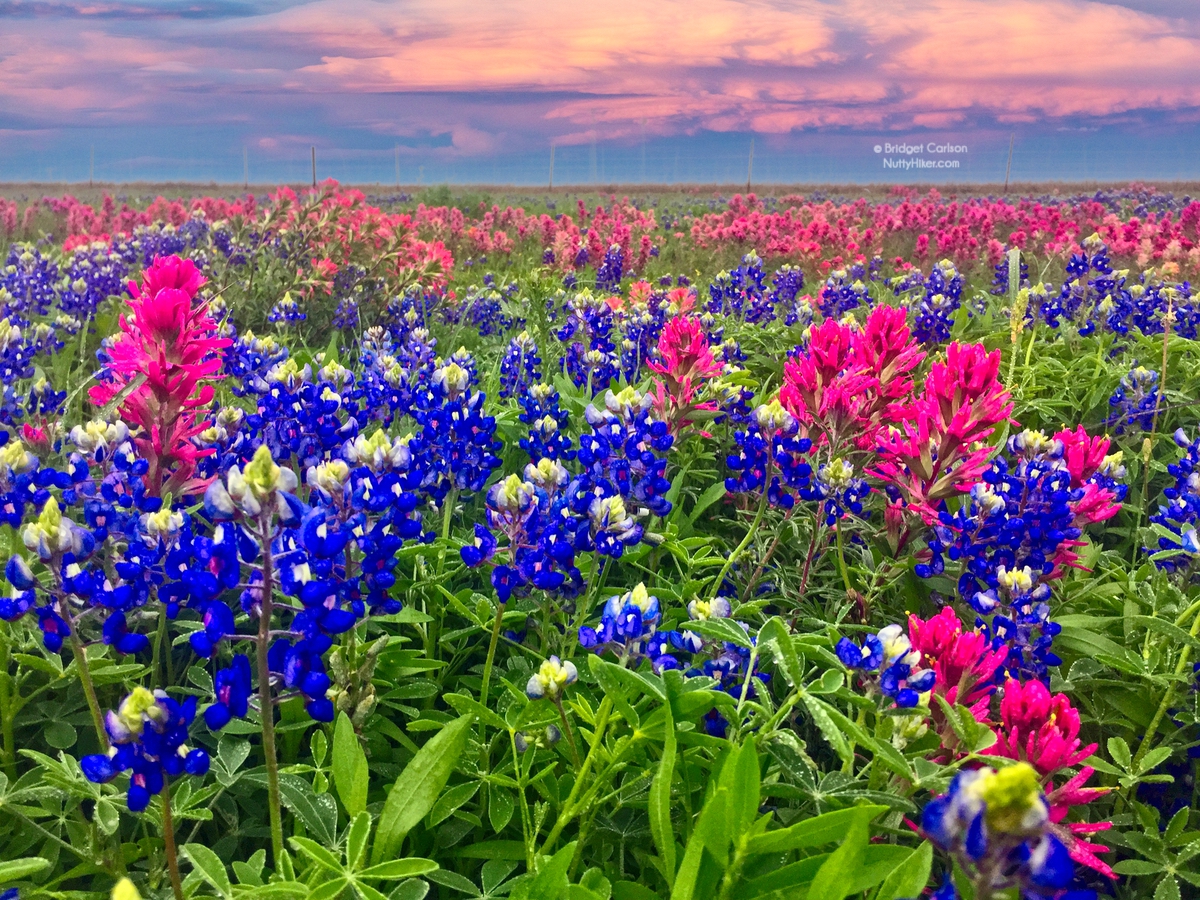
<point>125,890</point>
<point>262,475</point>
<point>51,517</point>
<point>1013,798</point>
<point>135,706</point>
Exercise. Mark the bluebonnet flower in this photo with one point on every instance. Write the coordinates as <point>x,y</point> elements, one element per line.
<point>456,441</point>
<point>287,311</point>
<point>770,445</point>
<point>346,316</point>
<point>742,292</point>
<point>941,300</point>
<point>591,359</point>
<point>1000,275</point>
<point>841,492</point>
<point>1017,530</point>
<point>302,669</point>
<point>305,417</point>
<point>540,410</point>
<point>610,270</point>
<point>841,293</point>
<point>551,679</point>
<point>1134,401</point>
<point>1175,523</point>
<point>93,274</point>
<point>28,283</point>
<point>149,735</point>
<point>248,360</point>
<point>531,514</point>
<point>626,625</point>
<point>624,463</point>
<point>894,664</point>
<point>519,369</point>
<point>231,700</point>
<point>996,825</point>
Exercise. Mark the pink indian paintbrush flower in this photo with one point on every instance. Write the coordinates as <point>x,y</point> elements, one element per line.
<point>963,662</point>
<point>168,346</point>
<point>1085,457</point>
<point>937,451</point>
<point>845,383</point>
<point>687,362</point>
<point>1043,730</point>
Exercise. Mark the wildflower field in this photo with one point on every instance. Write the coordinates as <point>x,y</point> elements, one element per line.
<point>787,547</point>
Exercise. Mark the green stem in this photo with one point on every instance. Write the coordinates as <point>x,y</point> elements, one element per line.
<point>1185,657</point>
<point>568,809</point>
<point>10,695</point>
<point>85,677</point>
<point>562,714</point>
<point>596,579</point>
<point>491,654</point>
<point>526,824</point>
<point>741,548</point>
<point>265,701</point>
<point>841,552</point>
<point>746,684</point>
<point>447,515</point>
<point>169,843</point>
<point>160,637</point>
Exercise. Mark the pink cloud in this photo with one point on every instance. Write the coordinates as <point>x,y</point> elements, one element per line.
<point>668,67</point>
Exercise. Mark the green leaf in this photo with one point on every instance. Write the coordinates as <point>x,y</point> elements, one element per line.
<point>318,812</point>
<point>318,854</point>
<point>711,495</point>
<point>356,840</point>
<point>400,868</point>
<point>1136,867</point>
<point>417,788</point>
<point>819,710</point>
<point>711,832</point>
<point>501,804</point>
<point>17,869</point>
<point>413,889</point>
<point>834,880</point>
<point>745,789</point>
<point>1168,629</point>
<point>210,867</point>
<point>910,877</point>
<point>1119,751</point>
<point>330,889</point>
<point>452,800</point>
<point>1153,759</point>
<point>465,705</point>
<point>1168,889</point>
<point>60,735</point>
<point>725,630</point>
<point>350,775</point>
<point>660,800</point>
<point>775,638</point>
<point>107,817</point>
<point>823,829</point>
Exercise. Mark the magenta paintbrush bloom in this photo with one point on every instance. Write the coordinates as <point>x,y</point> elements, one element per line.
<point>168,346</point>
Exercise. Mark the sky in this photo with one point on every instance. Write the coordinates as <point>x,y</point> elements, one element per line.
<point>487,91</point>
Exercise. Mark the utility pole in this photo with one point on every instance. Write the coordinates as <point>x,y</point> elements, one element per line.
<point>92,166</point>
<point>552,165</point>
<point>750,168</point>
<point>593,171</point>
<point>314,165</point>
<point>1008,168</point>
<point>397,167</point>
<point>246,167</point>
